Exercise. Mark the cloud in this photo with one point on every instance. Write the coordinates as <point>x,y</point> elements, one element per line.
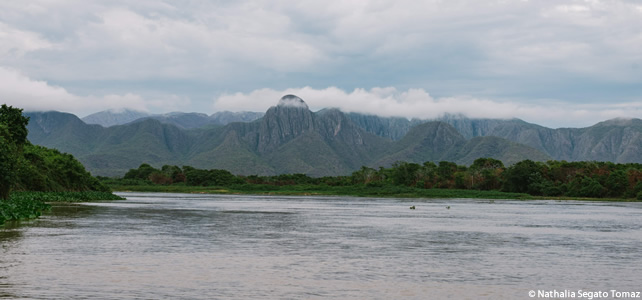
<point>256,40</point>
<point>514,53</point>
<point>32,95</point>
<point>418,103</point>
<point>16,42</point>
<point>121,43</point>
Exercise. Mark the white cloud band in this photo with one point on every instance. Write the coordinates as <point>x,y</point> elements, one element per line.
<point>33,95</point>
<point>418,103</point>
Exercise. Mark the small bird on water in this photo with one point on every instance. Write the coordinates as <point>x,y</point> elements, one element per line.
<point>448,207</point>
<point>412,207</point>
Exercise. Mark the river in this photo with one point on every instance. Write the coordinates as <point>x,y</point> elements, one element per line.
<point>185,246</point>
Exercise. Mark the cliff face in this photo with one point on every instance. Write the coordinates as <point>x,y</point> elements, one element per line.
<point>392,127</point>
<point>284,122</point>
<point>292,139</point>
<point>615,140</point>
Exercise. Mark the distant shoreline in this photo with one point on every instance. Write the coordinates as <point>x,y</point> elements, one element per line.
<point>376,192</point>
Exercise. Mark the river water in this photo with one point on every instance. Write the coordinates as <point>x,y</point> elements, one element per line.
<point>184,246</point>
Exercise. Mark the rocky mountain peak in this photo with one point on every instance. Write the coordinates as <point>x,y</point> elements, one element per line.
<point>292,101</point>
<point>284,122</point>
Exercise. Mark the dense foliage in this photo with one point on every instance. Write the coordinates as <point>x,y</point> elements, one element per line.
<point>550,179</point>
<point>44,169</point>
<point>13,137</point>
<point>27,167</point>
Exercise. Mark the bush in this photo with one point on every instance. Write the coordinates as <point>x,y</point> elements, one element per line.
<point>44,169</point>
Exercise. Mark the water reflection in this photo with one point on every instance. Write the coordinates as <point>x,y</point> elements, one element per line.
<point>239,247</point>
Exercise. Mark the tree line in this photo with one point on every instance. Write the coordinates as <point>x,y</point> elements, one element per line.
<point>553,178</point>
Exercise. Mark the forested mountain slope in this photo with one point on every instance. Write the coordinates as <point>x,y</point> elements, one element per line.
<point>289,138</point>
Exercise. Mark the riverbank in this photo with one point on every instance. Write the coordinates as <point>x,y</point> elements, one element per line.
<point>30,205</point>
<point>357,191</point>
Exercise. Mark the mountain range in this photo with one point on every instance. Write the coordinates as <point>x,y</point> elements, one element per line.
<point>289,138</point>
<point>183,120</point>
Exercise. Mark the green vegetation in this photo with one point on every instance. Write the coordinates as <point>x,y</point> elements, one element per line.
<point>485,178</point>
<point>31,175</point>
<point>29,205</point>
<point>321,189</point>
<point>13,137</point>
<point>21,207</point>
<point>44,169</point>
<point>66,197</point>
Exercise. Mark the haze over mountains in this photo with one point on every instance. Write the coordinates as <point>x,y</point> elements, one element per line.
<point>289,138</point>
<point>109,118</point>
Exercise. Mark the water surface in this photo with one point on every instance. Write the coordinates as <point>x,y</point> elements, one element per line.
<point>179,246</point>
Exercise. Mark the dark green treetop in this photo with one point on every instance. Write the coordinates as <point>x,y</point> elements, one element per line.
<point>16,124</point>
<point>13,136</point>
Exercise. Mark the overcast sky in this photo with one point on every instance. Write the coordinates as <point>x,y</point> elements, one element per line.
<point>555,63</point>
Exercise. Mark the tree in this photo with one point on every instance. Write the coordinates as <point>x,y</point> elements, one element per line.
<point>16,124</point>
<point>7,162</point>
<point>364,175</point>
<point>446,171</point>
<point>143,172</point>
<point>160,178</point>
<point>173,172</point>
<point>460,180</point>
<point>616,183</point>
<point>584,186</point>
<point>520,176</point>
<point>404,173</point>
<point>484,173</point>
<point>13,136</point>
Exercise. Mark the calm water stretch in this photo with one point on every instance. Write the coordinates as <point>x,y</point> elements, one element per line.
<point>177,246</point>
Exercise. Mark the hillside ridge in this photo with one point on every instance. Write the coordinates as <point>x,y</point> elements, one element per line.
<point>289,138</point>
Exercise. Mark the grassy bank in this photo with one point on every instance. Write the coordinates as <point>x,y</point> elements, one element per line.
<point>303,189</point>
<point>356,190</point>
<point>66,196</point>
<point>29,205</point>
